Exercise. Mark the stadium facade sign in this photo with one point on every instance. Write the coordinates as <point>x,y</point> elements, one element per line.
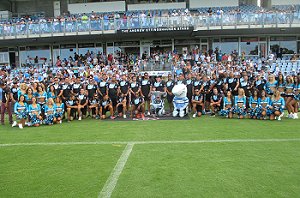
<point>157,73</point>
<point>160,29</point>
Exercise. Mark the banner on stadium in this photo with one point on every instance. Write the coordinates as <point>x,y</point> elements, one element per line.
<point>156,73</point>
<point>160,29</point>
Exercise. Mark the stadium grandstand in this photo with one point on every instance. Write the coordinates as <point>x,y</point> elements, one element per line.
<point>48,29</point>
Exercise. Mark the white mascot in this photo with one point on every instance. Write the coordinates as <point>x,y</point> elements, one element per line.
<point>180,101</point>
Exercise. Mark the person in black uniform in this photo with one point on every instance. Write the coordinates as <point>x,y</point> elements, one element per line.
<point>197,83</point>
<point>246,85</point>
<point>14,93</point>
<point>197,103</point>
<point>233,84</point>
<point>82,102</point>
<point>72,107</point>
<point>76,86</point>
<point>113,91</point>
<point>169,86</point>
<point>91,88</point>
<point>105,106</point>
<point>57,87</point>
<point>102,86</point>
<point>5,103</point>
<point>180,79</point>
<point>146,87</point>
<point>159,85</point>
<point>66,90</point>
<point>124,88</point>
<point>134,87</point>
<point>260,83</point>
<point>94,106</point>
<point>205,90</point>
<point>215,101</point>
<point>189,86</point>
<point>138,106</point>
<point>121,106</point>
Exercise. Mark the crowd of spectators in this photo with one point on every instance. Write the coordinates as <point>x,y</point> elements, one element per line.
<point>90,84</point>
<point>146,19</point>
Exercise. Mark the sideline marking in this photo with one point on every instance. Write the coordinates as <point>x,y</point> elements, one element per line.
<point>112,180</point>
<point>149,142</point>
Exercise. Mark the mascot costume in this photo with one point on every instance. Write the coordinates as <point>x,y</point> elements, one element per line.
<point>180,101</point>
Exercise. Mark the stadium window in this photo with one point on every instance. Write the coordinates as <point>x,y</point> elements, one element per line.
<point>42,52</point>
<point>226,45</point>
<point>283,45</point>
<point>249,45</point>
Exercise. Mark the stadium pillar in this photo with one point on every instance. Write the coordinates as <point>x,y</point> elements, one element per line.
<point>173,45</point>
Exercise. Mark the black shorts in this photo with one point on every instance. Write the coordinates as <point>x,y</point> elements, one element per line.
<point>114,101</point>
<point>146,98</point>
<point>170,98</point>
<point>289,96</point>
<point>104,110</point>
<point>217,107</point>
<point>84,110</point>
<point>120,109</point>
<point>198,108</point>
<point>73,112</point>
<point>207,97</point>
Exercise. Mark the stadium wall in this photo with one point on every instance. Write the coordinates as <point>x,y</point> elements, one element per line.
<point>221,3</point>
<point>157,6</point>
<point>34,6</point>
<point>117,6</point>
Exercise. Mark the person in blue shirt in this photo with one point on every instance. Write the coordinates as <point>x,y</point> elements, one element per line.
<point>227,106</point>
<point>277,106</point>
<point>264,106</point>
<point>21,111</point>
<point>271,85</point>
<point>29,95</point>
<point>41,96</point>
<point>59,110</point>
<point>253,105</point>
<point>49,112</point>
<point>51,92</point>
<point>22,90</point>
<point>294,103</point>
<point>240,104</point>
<point>34,111</point>
<point>289,95</point>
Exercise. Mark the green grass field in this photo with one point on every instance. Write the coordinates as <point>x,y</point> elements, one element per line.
<point>203,157</point>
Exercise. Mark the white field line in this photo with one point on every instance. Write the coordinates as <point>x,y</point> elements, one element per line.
<point>149,142</point>
<point>112,180</point>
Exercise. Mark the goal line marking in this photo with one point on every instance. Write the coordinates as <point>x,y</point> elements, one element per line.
<point>148,142</point>
<point>112,180</point>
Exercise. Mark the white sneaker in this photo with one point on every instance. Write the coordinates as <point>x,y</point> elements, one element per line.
<point>79,118</point>
<point>279,118</point>
<point>148,114</point>
<point>194,115</point>
<point>291,115</point>
<point>60,122</point>
<point>124,116</point>
<point>14,124</point>
<point>295,116</point>
<point>20,126</point>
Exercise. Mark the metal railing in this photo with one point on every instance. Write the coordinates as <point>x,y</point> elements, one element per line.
<point>112,25</point>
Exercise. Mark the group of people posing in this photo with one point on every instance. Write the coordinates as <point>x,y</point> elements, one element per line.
<point>68,97</point>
